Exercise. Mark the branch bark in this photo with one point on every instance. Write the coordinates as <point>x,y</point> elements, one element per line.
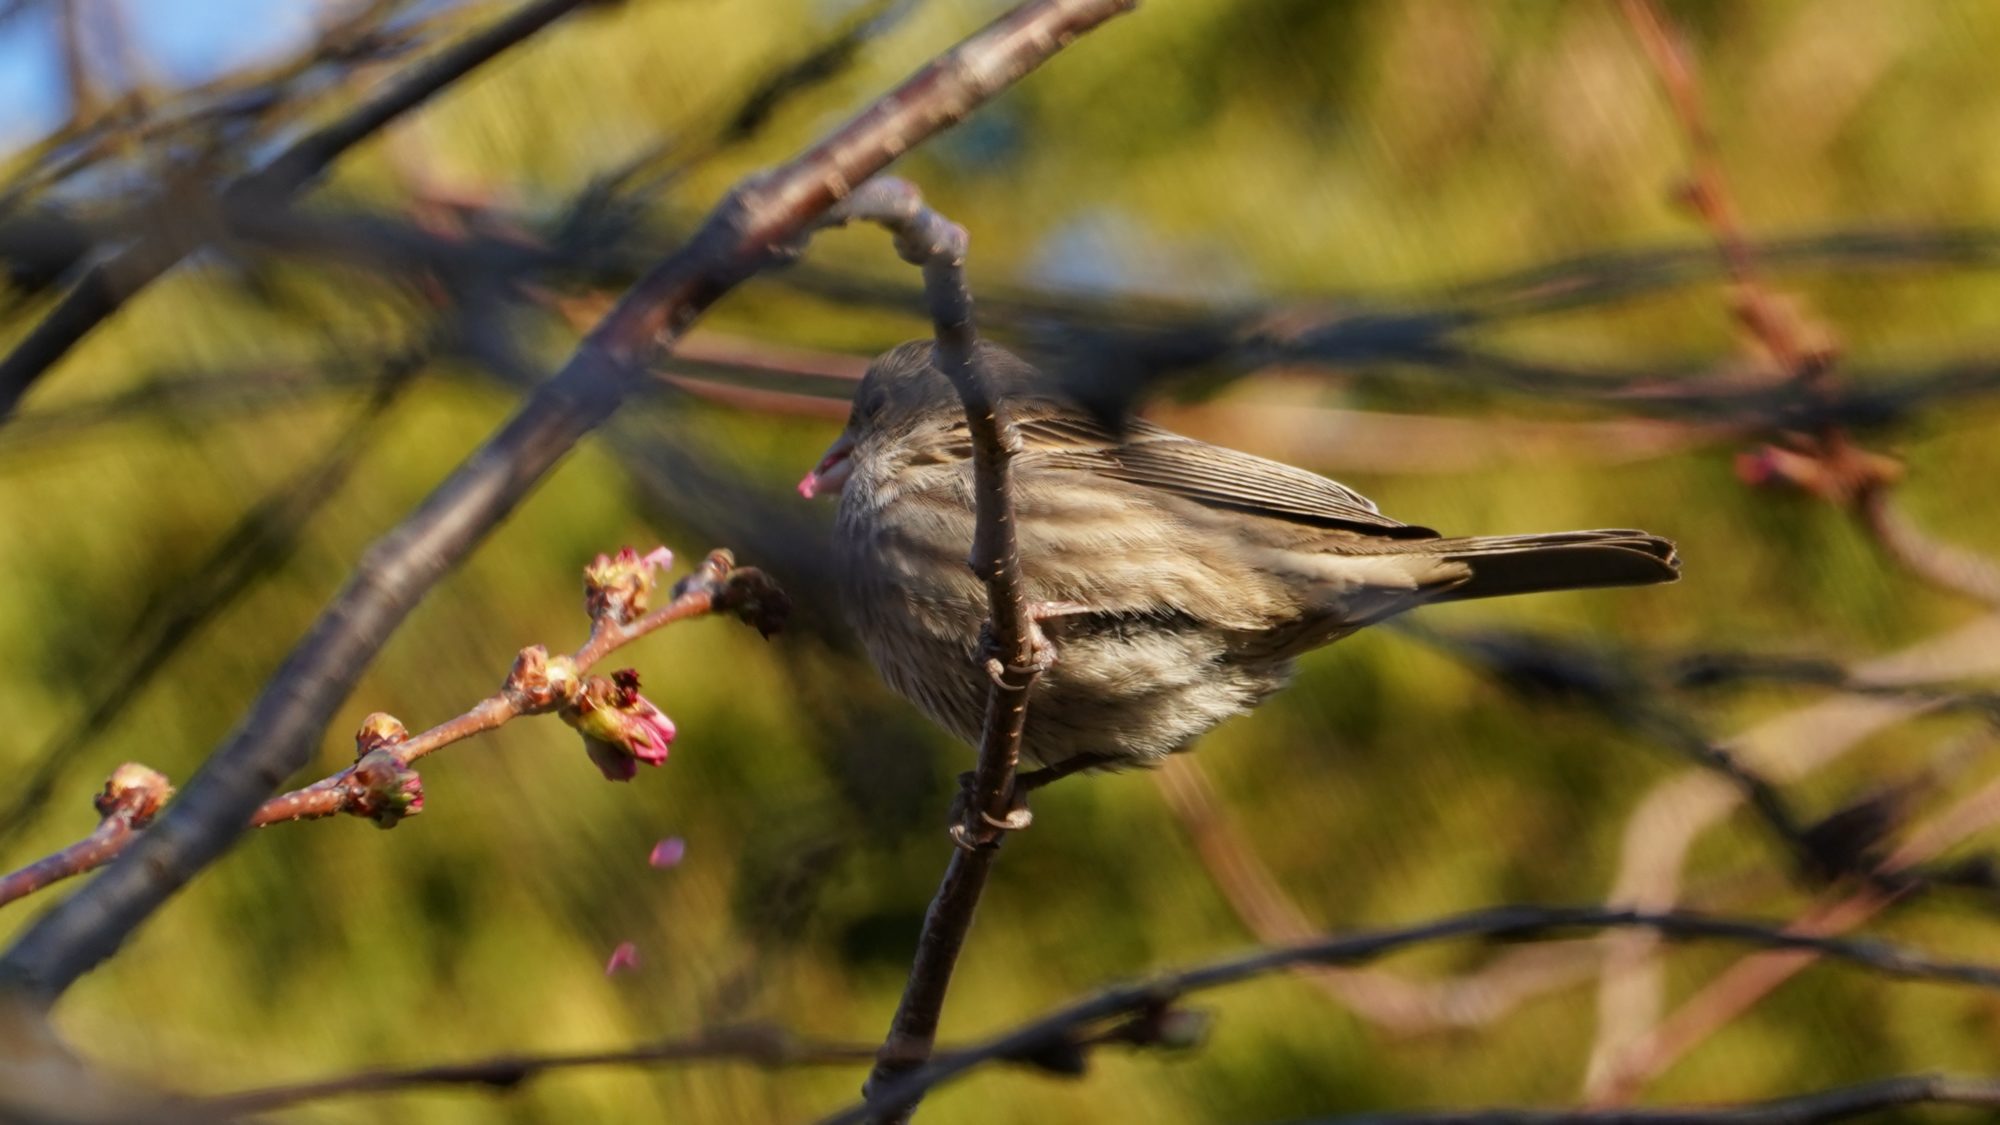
<point>927,239</point>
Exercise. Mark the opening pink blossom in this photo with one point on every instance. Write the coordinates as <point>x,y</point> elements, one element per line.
<point>621,586</point>
<point>620,727</point>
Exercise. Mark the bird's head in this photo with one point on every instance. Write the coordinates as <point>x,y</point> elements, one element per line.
<point>904,402</point>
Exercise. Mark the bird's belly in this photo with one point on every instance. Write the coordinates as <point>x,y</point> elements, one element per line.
<point>1130,692</point>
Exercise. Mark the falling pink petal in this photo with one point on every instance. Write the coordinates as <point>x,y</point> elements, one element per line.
<point>626,956</point>
<point>668,852</point>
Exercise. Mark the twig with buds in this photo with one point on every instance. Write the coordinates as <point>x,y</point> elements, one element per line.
<point>1823,462</point>
<point>621,728</point>
<point>127,803</point>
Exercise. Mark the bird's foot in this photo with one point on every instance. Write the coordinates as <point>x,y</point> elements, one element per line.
<point>984,830</point>
<point>974,828</point>
<point>1079,763</point>
<point>1041,650</point>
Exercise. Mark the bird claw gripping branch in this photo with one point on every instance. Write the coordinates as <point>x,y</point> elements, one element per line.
<point>967,835</point>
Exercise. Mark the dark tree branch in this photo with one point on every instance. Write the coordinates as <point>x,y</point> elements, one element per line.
<point>1070,1029</point>
<point>276,736</point>
<point>768,1047</point>
<point>107,285</point>
<point>927,239</point>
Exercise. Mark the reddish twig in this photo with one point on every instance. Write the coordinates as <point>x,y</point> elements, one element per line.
<point>127,804</point>
<point>1801,349</point>
<point>739,353</point>
<point>759,400</point>
<point>1389,1001</point>
<point>718,585</point>
<point>1825,463</point>
<point>1739,988</point>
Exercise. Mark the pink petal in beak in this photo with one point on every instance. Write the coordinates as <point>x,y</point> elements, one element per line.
<point>832,472</point>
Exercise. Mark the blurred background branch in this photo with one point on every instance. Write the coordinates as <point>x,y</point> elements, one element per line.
<point>192,477</point>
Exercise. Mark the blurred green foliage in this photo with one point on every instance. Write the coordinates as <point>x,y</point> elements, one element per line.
<point>1203,148</point>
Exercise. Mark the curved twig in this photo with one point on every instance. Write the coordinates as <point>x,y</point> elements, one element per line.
<point>927,239</point>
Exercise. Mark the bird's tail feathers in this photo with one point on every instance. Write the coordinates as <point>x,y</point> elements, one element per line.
<point>1562,560</point>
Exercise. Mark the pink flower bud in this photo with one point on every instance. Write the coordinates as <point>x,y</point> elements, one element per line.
<point>378,731</point>
<point>384,789</point>
<point>620,727</point>
<point>620,587</point>
<point>135,790</point>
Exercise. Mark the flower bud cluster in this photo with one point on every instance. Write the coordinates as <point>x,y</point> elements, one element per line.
<point>620,727</point>
<point>619,588</point>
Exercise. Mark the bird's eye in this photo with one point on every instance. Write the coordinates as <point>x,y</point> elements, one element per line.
<point>867,408</point>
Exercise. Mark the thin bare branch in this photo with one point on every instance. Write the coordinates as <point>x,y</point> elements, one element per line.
<point>1822,1107</point>
<point>767,1047</point>
<point>927,239</point>
<point>1392,1002</point>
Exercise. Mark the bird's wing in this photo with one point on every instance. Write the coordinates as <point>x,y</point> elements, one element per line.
<point>1208,474</point>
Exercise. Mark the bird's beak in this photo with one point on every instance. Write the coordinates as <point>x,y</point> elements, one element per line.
<point>832,471</point>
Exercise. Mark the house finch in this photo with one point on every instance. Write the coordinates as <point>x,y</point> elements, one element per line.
<point>1176,580</point>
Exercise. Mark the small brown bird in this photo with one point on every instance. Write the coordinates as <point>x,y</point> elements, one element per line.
<point>1177,580</point>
